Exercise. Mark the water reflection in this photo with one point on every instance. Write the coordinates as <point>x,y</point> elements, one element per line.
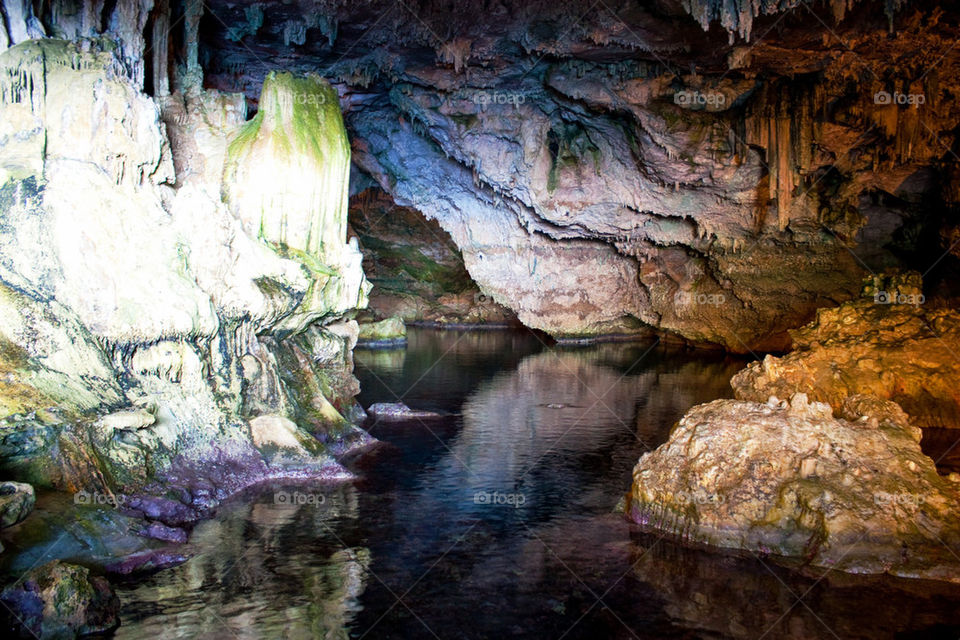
<point>255,574</point>
<point>409,551</point>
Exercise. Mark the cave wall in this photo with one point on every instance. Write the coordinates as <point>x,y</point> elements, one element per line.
<point>713,170</point>
<point>416,268</point>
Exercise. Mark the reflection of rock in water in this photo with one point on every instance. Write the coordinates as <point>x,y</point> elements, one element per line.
<point>574,402</point>
<point>254,575</point>
<point>380,360</point>
<point>738,597</point>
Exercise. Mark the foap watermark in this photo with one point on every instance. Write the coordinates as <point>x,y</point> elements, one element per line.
<point>97,499</point>
<point>500,499</point>
<point>687,298</point>
<point>885,97</point>
<point>313,99</point>
<point>297,498</point>
<point>884,297</point>
<point>698,497</point>
<point>695,98</point>
<point>884,499</point>
<point>483,98</point>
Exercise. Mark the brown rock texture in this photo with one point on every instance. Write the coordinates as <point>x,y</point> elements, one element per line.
<point>880,344</point>
<point>415,267</point>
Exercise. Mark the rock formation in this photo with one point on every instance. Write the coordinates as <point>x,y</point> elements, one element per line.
<point>59,600</point>
<point>416,269</point>
<point>888,343</point>
<point>149,326</point>
<point>668,166</point>
<point>713,170</point>
<point>787,478</point>
<point>179,283</point>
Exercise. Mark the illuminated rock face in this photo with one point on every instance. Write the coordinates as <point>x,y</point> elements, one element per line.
<point>888,343</point>
<point>853,493</point>
<point>130,288</point>
<point>286,179</point>
<point>287,171</point>
<point>681,165</point>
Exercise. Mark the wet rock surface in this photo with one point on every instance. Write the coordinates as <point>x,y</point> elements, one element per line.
<point>389,332</point>
<point>787,478</point>
<point>59,600</point>
<point>399,412</point>
<point>16,502</point>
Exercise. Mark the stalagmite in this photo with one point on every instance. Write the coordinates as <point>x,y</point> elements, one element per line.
<point>286,177</point>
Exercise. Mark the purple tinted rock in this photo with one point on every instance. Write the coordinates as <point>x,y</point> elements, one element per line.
<point>150,560</point>
<point>159,531</point>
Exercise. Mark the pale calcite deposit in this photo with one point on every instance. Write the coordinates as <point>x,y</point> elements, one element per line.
<point>787,478</point>
<point>142,323</point>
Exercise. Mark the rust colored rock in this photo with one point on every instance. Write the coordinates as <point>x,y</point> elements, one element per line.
<point>887,344</point>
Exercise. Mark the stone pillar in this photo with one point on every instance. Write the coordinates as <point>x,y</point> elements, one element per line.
<point>21,22</point>
<point>161,48</point>
<point>193,76</point>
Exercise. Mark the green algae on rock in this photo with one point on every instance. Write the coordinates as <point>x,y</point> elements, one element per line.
<point>286,178</point>
<point>287,169</point>
<point>388,331</point>
<point>139,322</point>
<point>16,502</point>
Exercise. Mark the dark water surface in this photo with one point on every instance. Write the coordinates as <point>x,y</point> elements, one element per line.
<point>496,521</point>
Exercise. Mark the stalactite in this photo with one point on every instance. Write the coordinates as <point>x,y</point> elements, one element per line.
<point>22,24</point>
<point>327,24</point>
<point>287,170</point>
<point>70,20</point>
<point>160,49</point>
<point>785,120</point>
<point>193,74</point>
<point>294,32</point>
<point>22,82</point>
<point>455,52</point>
<point>737,16</point>
<point>127,24</point>
<point>254,20</point>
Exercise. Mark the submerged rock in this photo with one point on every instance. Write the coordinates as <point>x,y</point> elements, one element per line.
<point>398,411</point>
<point>60,600</point>
<point>887,344</point>
<point>789,479</point>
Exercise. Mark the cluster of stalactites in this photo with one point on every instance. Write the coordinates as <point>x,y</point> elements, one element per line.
<point>785,120</point>
<point>125,22</point>
<point>737,16</point>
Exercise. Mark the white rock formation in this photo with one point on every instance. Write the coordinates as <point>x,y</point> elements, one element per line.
<point>144,293</point>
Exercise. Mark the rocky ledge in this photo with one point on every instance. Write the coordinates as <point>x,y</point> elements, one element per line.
<point>890,343</point>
